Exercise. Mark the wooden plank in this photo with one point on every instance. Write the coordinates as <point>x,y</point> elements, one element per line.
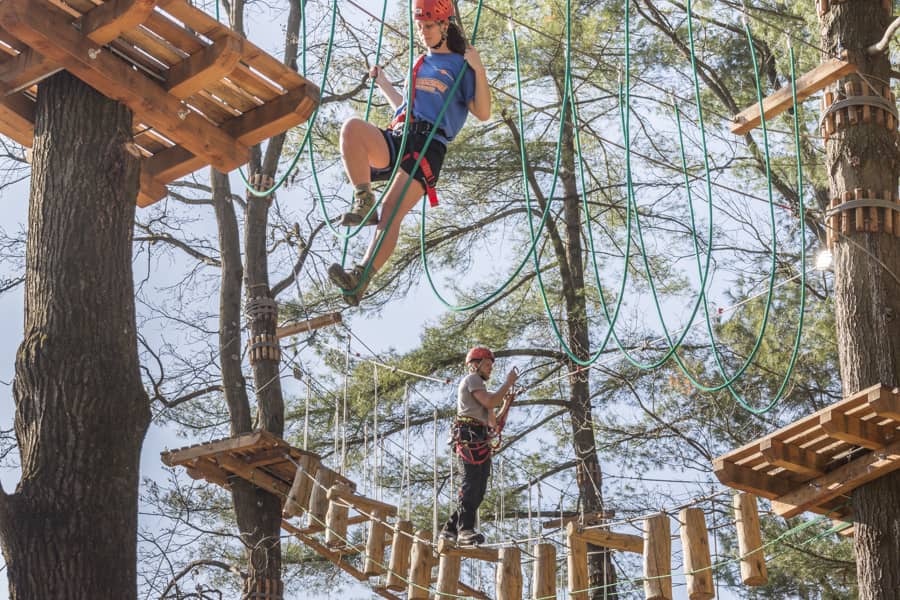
<point>152,190</point>
<point>790,433</point>
<point>308,325</point>
<point>839,482</point>
<point>748,480</point>
<point>856,431</point>
<point>607,539</point>
<point>793,457</point>
<point>106,22</point>
<point>361,502</point>
<point>176,457</point>
<point>250,128</point>
<point>885,402</point>
<point>807,84</point>
<point>446,547</point>
<point>335,558</point>
<point>257,477</point>
<point>50,34</point>
<point>204,68</point>
<point>21,72</point>
<point>17,118</point>
<point>594,518</point>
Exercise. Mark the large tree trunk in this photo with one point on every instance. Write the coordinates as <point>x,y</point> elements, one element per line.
<point>867,294</point>
<point>70,530</point>
<point>601,572</point>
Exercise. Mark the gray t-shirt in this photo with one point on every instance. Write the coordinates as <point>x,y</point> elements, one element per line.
<point>466,404</point>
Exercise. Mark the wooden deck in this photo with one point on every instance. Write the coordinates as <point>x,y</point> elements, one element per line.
<point>201,95</point>
<point>815,463</point>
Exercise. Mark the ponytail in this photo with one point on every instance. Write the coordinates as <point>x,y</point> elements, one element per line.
<point>456,42</point>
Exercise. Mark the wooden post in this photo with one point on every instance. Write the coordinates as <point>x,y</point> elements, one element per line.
<point>509,574</point>
<point>400,548</point>
<point>753,561</point>
<point>544,581</point>
<point>657,558</point>
<point>298,498</point>
<point>375,545</point>
<point>420,567</point>
<point>318,500</point>
<point>695,545</point>
<point>448,576</point>
<point>577,566</point>
<point>336,520</point>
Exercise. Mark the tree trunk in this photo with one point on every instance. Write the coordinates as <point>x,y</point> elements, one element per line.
<point>601,572</point>
<point>867,294</point>
<point>70,530</point>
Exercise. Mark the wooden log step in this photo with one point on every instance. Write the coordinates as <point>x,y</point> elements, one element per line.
<point>446,547</point>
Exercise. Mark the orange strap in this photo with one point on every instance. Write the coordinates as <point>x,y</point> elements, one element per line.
<point>430,190</point>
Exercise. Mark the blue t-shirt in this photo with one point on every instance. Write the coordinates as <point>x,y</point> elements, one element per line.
<point>433,82</point>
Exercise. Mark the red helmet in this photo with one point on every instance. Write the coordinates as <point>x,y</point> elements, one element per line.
<point>432,10</point>
<point>479,353</point>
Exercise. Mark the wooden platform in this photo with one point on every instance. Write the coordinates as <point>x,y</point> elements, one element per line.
<point>201,95</point>
<point>815,463</point>
<point>259,457</point>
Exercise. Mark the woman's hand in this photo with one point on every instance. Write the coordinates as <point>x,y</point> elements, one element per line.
<point>377,73</point>
<point>474,59</point>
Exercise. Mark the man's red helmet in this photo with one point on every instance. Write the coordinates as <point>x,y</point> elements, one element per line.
<point>432,10</point>
<point>479,353</point>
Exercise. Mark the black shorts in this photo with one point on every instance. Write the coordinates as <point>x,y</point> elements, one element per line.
<point>414,143</point>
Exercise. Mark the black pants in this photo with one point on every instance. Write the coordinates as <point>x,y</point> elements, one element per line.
<point>475,477</point>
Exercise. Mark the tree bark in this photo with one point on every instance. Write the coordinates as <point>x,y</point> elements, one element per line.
<point>867,293</point>
<point>70,529</point>
<point>588,474</point>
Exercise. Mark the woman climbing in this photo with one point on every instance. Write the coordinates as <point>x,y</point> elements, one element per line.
<point>370,153</point>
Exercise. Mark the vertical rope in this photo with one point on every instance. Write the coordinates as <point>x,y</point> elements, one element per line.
<point>367,485</point>
<point>306,416</point>
<point>434,519</point>
<point>337,406</point>
<point>377,490</point>
<point>406,458</point>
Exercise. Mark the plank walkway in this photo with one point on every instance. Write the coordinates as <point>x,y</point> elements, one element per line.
<point>815,463</point>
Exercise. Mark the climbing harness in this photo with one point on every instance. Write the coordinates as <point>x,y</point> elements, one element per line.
<point>421,128</point>
<point>471,447</point>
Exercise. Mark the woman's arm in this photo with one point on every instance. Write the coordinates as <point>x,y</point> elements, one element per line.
<point>386,88</point>
<point>480,105</point>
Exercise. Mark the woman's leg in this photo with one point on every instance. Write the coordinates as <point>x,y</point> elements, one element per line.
<point>362,147</point>
<point>391,232</point>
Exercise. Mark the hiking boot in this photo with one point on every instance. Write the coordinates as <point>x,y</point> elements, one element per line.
<point>449,535</point>
<point>362,204</point>
<point>348,281</point>
<point>470,537</point>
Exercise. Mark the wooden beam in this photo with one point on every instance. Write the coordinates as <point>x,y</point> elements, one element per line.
<point>807,84</point>
<point>839,482</point>
<point>17,118</point>
<point>607,539</point>
<point>361,502</point>
<point>450,549</point>
<point>885,402</point>
<point>204,68</point>
<point>152,191</point>
<point>250,128</point>
<point>106,22</point>
<point>242,442</point>
<point>257,477</point>
<point>856,431</point>
<point>50,34</point>
<point>748,480</point>
<point>20,72</point>
<point>470,592</point>
<point>594,518</point>
<point>309,325</point>
<point>792,457</point>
